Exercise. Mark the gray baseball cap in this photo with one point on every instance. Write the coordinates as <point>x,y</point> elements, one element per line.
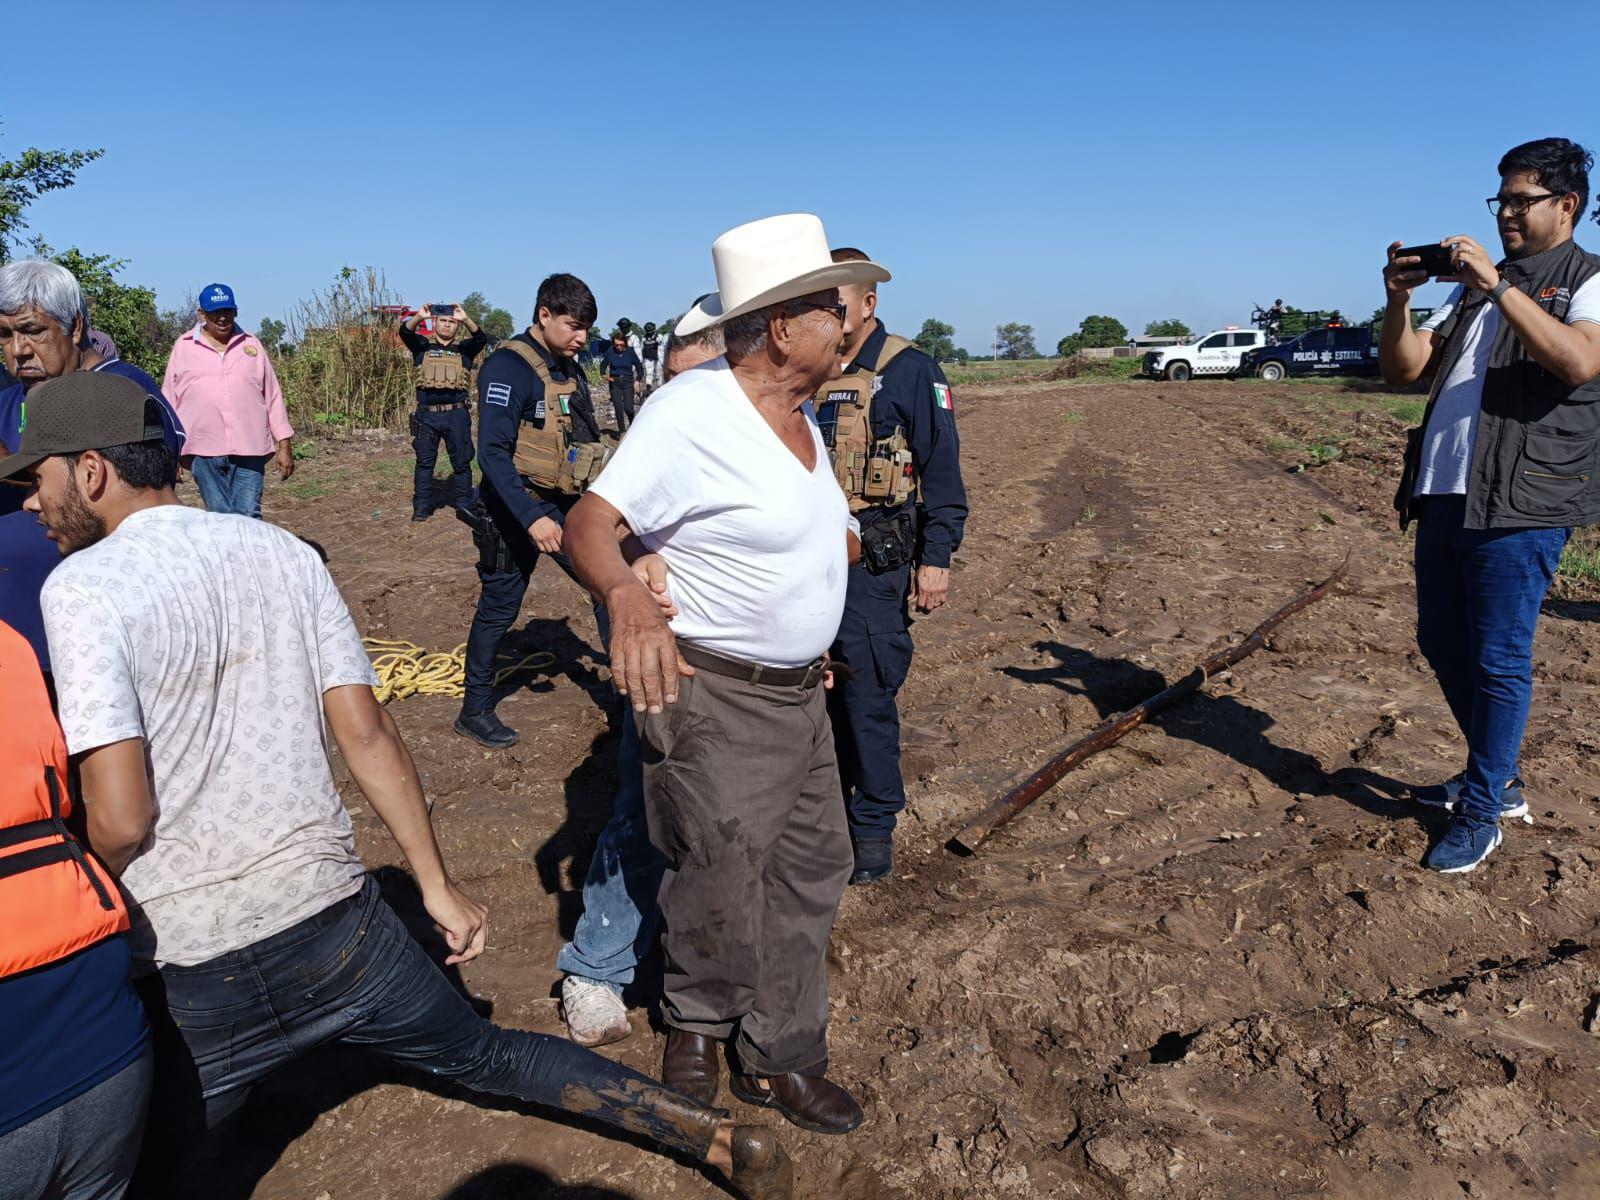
<point>87,410</point>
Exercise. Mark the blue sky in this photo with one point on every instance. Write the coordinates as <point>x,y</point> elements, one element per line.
<point>1007,162</point>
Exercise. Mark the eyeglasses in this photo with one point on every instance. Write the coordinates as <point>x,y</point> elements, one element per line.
<point>1517,205</point>
<point>837,310</point>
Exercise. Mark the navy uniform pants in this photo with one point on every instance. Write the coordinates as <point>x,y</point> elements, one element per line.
<point>505,583</point>
<point>428,427</point>
<point>622,403</point>
<point>875,643</point>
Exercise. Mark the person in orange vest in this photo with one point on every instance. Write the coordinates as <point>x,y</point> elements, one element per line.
<point>75,1058</point>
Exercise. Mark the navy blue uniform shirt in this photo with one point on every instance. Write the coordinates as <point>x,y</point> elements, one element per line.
<point>509,393</point>
<point>914,395</point>
<point>622,364</point>
<point>468,347</point>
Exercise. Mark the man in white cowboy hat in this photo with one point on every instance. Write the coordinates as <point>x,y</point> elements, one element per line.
<point>725,475</point>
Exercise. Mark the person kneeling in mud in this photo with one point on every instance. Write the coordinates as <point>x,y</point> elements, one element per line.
<point>193,708</point>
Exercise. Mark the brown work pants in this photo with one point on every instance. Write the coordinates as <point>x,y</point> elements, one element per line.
<point>742,797</point>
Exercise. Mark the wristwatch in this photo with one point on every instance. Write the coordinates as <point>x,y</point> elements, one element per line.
<point>1498,290</point>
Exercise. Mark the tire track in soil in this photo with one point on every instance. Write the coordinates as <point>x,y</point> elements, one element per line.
<point>1205,965</point>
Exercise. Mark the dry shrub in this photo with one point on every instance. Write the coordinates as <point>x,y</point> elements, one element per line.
<point>348,369</point>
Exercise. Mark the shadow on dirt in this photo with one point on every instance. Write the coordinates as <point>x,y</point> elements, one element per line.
<point>573,655</point>
<point>1220,723</point>
<point>519,1181</point>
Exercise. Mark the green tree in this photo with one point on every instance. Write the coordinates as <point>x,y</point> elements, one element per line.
<point>270,333</point>
<point>126,311</point>
<point>25,178</point>
<point>1093,332</point>
<point>1015,340</point>
<point>1171,327</point>
<point>497,323</point>
<point>1297,320</point>
<point>960,354</point>
<point>937,340</point>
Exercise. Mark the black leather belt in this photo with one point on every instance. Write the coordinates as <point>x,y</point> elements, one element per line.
<point>807,676</point>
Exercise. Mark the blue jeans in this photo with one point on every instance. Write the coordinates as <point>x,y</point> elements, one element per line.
<point>353,974</point>
<point>1478,598</point>
<point>231,483</point>
<point>620,915</point>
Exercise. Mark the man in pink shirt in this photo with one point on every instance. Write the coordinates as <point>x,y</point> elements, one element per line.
<point>221,381</point>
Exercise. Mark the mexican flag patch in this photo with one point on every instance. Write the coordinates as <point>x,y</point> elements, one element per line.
<point>941,396</point>
<point>564,409</point>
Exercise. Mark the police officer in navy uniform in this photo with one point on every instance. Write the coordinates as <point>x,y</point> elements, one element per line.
<point>533,405</point>
<point>444,367</point>
<point>891,430</point>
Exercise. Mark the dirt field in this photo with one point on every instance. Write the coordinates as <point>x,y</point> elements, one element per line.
<point>1206,965</point>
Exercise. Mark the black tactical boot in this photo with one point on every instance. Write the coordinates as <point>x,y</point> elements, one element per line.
<point>486,729</point>
<point>874,858</point>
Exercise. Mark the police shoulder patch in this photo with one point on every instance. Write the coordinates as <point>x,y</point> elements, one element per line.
<point>498,393</point>
<point>538,409</point>
<point>941,396</point>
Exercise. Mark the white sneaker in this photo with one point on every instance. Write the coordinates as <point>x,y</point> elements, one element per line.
<point>594,1013</point>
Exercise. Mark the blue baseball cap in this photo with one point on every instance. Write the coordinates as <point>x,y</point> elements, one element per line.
<point>216,295</point>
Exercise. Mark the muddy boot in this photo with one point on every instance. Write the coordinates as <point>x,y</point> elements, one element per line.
<point>761,1170</point>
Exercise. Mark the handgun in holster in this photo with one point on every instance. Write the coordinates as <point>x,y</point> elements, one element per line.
<point>493,553</point>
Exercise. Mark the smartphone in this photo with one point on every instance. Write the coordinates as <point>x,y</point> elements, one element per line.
<point>1437,260</point>
<point>442,310</point>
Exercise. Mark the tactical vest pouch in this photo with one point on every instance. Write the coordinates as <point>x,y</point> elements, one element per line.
<point>888,476</point>
<point>582,466</point>
<point>889,544</point>
<point>442,370</point>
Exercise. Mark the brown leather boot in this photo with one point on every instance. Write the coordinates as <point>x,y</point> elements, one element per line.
<point>689,1066</point>
<point>809,1101</point>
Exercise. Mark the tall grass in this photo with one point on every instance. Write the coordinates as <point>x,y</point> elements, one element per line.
<point>347,369</point>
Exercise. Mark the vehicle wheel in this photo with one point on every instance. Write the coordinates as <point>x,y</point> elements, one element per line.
<point>1272,372</point>
<point>1178,372</point>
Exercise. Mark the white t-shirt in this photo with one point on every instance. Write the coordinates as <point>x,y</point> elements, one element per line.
<point>1447,442</point>
<point>754,542</point>
<point>213,638</point>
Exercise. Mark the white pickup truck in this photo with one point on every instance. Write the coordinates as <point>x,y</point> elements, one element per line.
<point>1217,353</point>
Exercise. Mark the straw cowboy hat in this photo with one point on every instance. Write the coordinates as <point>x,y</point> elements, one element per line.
<point>776,258</point>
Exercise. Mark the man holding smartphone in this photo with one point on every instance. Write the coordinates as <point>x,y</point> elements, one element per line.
<point>444,368</point>
<point>1502,467</point>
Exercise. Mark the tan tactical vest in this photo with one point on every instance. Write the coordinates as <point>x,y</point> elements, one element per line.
<point>548,457</point>
<point>443,369</point>
<point>872,471</point>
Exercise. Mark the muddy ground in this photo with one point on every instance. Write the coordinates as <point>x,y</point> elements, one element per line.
<point>1208,964</point>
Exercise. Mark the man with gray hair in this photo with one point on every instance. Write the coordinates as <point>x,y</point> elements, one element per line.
<point>620,916</point>
<point>726,477</point>
<point>45,333</point>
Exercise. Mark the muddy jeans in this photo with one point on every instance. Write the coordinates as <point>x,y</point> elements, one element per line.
<point>353,974</point>
<point>742,797</point>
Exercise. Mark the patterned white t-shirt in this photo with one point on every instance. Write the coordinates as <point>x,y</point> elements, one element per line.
<point>213,637</point>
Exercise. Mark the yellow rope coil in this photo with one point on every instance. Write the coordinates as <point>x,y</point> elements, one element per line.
<point>406,669</point>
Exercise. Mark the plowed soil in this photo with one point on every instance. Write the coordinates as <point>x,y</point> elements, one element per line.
<point>1207,964</point>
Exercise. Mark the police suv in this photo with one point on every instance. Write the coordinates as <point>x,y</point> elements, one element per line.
<point>1215,354</point>
<point>1333,350</point>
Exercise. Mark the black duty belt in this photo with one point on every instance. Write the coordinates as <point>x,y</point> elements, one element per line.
<point>440,407</point>
<point>807,676</point>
